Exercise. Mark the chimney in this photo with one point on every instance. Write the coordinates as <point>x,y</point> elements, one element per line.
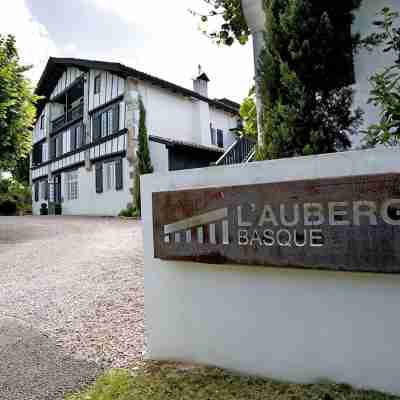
<point>200,84</point>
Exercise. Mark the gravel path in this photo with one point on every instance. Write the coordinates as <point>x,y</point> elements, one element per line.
<point>77,285</point>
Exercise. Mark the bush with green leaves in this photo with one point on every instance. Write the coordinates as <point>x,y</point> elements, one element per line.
<point>143,165</point>
<point>130,212</point>
<point>233,25</point>
<point>385,92</point>
<point>248,114</point>
<point>15,197</point>
<point>17,106</point>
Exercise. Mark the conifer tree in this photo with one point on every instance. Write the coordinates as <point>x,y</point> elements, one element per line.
<point>144,165</point>
<point>307,72</point>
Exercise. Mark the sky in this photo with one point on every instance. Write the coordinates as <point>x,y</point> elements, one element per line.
<point>158,37</point>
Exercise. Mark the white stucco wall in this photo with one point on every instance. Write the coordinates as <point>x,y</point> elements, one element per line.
<point>159,156</point>
<point>225,121</point>
<point>296,325</point>
<point>169,115</point>
<point>366,63</point>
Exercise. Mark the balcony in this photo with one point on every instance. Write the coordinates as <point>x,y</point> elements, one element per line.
<point>72,114</point>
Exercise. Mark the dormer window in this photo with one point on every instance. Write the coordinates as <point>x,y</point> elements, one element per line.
<point>97,84</point>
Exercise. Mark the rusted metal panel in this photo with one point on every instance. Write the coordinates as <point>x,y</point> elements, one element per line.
<point>349,224</point>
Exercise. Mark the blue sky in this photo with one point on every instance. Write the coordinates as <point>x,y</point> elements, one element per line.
<point>158,37</point>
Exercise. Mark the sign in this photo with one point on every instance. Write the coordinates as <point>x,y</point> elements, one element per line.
<point>349,224</point>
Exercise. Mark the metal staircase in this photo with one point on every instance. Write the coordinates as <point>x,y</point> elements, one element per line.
<point>241,151</point>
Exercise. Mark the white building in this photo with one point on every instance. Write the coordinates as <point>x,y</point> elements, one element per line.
<point>84,141</point>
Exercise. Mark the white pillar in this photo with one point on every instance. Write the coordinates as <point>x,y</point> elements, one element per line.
<point>255,18</point>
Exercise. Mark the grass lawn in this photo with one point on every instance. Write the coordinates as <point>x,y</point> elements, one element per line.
<point>161,381</point>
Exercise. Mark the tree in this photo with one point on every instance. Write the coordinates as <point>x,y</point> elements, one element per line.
<point>248,113</point>
<point>144,165</point>
<point>233,26</point>
<point>307,104</point>
<point>385,92</point>
<point>20,172</point>
<point>17,106</point>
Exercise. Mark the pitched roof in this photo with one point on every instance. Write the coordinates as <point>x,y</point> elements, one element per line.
<point>56,66</point>
<point>182,143</point>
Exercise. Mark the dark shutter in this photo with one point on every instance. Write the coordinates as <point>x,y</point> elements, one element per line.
<point>73,137</point>
<point>83,135</point>
<point>96,127</point>
<point>36,191</point>
<point>53,148</point>
<point>60,143</point>
<point>220,138</point>
<point>46,192</point>
<point>99,177</point>
<point>119,184</point>
<point>115,127</point>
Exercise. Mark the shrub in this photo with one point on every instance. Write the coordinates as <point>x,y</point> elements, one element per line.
<point>130,212</point>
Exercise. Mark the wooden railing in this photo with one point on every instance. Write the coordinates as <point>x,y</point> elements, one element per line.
<point>241,151</point>
<point>72,115</point>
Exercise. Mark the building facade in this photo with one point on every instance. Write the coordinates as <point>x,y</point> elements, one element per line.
<point>85,137</point>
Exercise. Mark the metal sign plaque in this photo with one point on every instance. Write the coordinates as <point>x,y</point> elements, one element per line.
<point>349,224</point>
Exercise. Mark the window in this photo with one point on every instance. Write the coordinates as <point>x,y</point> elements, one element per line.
<point>59,145</point>
<point>109,176</point>
<point>110,121</point>
<point>71,185</point>
<point>45,149</point>
<point>43,191</point>
<point>106,122</point>
<point>97,84</point>
<point>36,191</point>
<point>37,154</point>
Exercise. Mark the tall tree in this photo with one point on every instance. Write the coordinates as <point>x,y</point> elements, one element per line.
<point>144,165</point>
<point>233,26</point>
<point>385,84</point>
<point>307,71</point>
<point>17,106</point>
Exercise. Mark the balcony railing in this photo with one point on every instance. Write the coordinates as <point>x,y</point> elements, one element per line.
<point>242,151</point>
<point>71,115</point>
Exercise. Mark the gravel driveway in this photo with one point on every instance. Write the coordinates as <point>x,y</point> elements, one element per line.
<point>71,302</point>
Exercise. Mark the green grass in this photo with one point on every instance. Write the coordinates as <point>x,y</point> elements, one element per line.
<point>169,382</point>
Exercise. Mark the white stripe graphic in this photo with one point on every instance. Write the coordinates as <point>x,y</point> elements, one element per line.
<point>193,222</point>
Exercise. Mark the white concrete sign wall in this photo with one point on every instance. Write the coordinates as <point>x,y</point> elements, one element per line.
<point>296,325</point>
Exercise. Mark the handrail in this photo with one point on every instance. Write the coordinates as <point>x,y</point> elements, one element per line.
<point>238,152</point>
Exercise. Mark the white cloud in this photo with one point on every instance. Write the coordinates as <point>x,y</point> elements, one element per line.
<point>33,41</point>
<point>176,46</point>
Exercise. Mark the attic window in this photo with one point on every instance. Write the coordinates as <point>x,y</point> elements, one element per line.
<point>97,84</point>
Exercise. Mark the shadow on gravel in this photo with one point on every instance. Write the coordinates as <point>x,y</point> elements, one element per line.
<point>33,367</point>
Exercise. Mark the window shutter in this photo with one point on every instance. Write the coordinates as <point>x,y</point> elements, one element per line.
<point>60,144</point>
<point>99,177</point>
<point>83,135</point>
<point>118,175</point>
<point>73,137</point>
<point>36,191</point>
<point>115,118</point>
<point>53,148</point>
<point>220,138</point>
<point>46,191</point>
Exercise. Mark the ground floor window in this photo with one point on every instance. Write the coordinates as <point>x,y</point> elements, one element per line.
<point>109,175</point>
<point>71,185</point>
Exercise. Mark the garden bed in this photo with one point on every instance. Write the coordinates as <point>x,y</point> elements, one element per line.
<point>173,382</point>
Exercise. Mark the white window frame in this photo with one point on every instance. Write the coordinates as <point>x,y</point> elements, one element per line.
<point>109,176</point>
<point>104,125</point>
<point>71,185</point>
